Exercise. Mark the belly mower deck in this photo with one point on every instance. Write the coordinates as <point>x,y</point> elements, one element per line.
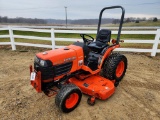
<point>95,86</point>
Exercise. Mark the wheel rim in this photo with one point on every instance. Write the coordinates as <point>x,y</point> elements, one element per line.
<point>72,100</point>
<point>120,69</point>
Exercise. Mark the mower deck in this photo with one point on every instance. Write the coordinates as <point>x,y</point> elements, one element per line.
<point>95,86</point>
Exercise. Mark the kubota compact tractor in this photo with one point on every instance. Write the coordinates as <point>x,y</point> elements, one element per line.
<point>89,67</point>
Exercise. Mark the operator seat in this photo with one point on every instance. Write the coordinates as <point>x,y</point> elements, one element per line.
<point>101,42</point>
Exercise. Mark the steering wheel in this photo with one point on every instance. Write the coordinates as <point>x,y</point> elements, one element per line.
<point>87,38</point>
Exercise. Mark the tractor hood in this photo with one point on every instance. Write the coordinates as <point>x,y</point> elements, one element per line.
<point>62,55</point>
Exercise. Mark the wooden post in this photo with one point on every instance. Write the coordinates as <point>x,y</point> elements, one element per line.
<point>12,38</point>
<point>155,44</point>
<point>53,38</point>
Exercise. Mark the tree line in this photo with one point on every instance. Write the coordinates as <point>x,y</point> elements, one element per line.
<point>5,19</point>
<point>137,20</point>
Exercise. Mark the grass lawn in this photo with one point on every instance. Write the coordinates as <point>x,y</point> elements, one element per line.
<point>141,23</point>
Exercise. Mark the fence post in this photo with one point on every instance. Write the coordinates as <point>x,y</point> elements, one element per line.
<point>155,44</point>
<point>53,38</point>
<point>12,38</point>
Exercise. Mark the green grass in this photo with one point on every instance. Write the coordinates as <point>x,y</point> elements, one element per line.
<point>133,24</point>
<point>46,42</point>
<point>143,23</point>
<point>4,32</point>
<point>71,35</point>
<point>29,33</point>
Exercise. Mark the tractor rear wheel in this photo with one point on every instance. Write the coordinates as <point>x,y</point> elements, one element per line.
<point>68,98</point>
<point>115,67</point>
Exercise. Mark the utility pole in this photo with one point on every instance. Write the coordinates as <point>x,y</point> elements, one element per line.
<point>66,14</point>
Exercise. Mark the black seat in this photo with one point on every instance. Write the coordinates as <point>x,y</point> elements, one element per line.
<point>102,40</point>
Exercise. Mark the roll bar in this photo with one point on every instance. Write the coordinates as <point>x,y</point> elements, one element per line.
<point>121,21</point>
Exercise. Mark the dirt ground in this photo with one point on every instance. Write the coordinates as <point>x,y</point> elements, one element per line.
<point>137,96</point>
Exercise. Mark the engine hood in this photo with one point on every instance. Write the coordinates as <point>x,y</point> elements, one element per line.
<point>62,55</point>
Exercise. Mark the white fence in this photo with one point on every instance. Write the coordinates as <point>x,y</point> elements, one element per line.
<point>153,51</point>
<point>83,27</point>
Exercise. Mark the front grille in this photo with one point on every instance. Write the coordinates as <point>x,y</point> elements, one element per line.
<point>46,72</point>
<point>53,71</point>
<point>62,69</point>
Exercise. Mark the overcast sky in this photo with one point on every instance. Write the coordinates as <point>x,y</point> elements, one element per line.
<point>77,9</point>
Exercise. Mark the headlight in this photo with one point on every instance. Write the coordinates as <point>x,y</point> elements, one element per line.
<point>43,63</point>
<point>36,59</point>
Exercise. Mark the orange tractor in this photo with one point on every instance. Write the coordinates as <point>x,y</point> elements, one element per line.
<point>89,67</point>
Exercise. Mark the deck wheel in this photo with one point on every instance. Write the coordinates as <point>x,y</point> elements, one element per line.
<point>91,101</point>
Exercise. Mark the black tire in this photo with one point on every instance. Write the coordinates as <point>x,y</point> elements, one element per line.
<point>103,71</point>
<point>112,66</point>
<point>68,98</point>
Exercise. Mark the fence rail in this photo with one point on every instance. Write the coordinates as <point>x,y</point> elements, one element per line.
<point>12,42</point>
<point>81,27</point>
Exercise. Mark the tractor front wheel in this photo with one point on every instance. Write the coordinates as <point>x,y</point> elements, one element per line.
<point>68,98</point>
